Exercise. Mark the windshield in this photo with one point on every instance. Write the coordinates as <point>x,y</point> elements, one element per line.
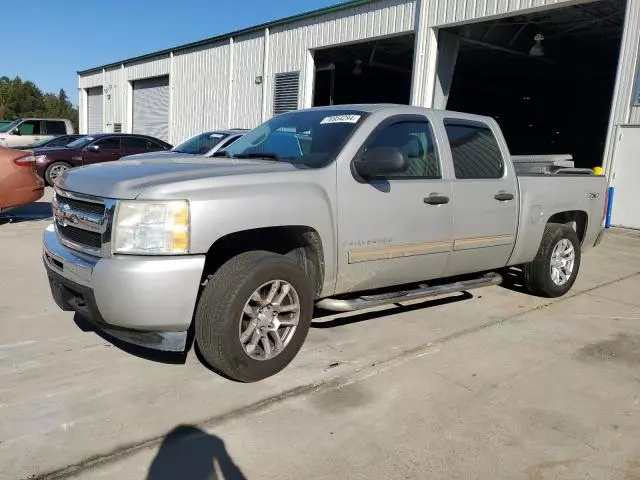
<point>9,126</point>
<point>81,142</point>
<point>200,144</point>
<point>311,138</point>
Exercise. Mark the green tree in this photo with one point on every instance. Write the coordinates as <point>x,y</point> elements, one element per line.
<point>19,99</point>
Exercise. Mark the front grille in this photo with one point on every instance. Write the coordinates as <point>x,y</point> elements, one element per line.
<point>88,207</point>
<point>80,237</point>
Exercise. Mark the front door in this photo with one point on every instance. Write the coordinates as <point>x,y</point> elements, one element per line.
<point>395,230</point>
<point>109,149</point>
<point>486,207</point>
<point>25,134</point>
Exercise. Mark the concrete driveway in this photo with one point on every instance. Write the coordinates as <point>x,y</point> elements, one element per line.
<point>493,385</point>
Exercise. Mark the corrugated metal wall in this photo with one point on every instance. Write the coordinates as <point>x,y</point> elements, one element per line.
<point>200,86</point>
<point>246,99</point>
<point>114,97</point>
<point>446,12</point>
<point>289,44</point>
<point>200,79</point>
<point>156,67</point>
<point>90,80</point>
<point>634,117</point>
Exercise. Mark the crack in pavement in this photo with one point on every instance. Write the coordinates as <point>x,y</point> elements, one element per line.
<point>319,386</point>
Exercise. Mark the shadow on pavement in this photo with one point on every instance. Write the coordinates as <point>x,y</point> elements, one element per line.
<point>159,356</point>
<point>25,213</point>
<point>188,453</point>
<point>368,315</point>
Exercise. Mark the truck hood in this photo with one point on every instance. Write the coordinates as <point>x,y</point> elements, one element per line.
<point>126,179</point>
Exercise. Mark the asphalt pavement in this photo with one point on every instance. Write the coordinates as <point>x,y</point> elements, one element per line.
<point>493,384</point>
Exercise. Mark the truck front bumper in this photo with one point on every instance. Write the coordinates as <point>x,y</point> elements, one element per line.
<point>148,301</point>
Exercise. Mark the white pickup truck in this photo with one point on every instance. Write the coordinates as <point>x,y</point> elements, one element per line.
<point>27,131</point>
<point>344,208</point>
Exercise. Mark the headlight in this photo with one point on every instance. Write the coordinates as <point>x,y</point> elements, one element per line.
<point>152,227</point>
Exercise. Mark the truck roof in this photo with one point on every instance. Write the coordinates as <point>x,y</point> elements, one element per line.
<point>404,109</point>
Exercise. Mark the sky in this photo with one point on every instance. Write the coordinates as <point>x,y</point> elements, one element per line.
<point>56,38</point>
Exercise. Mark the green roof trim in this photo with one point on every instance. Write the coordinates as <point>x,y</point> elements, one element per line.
<point>226,36</point>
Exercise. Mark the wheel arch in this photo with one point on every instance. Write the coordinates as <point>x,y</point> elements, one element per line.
<point>301,243</point>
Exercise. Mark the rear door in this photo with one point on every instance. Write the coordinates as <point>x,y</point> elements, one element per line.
<point>109,149</point>
<point>485,210</point>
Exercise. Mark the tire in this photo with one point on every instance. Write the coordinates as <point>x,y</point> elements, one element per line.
<point>53,170</point>
<point>538,275</point>
<point>220,316</point>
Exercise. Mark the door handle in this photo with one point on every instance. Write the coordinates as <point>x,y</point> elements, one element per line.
<point>435,199</point>
<point>503,196</point>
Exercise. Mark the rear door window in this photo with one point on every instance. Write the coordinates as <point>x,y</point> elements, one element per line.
<point>54,127</point>
<point>475,151</point>
<point>111,143</point>
<point>135,143</point>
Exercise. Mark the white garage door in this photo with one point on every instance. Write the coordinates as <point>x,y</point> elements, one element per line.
<point>94,110</point>
<point>151,107</point>
<point>626,198</point>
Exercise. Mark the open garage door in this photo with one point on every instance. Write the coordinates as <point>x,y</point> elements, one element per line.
<point>378,71</point>
<point>547,78</point>
<point>94,110</point>
<point>151,107</point>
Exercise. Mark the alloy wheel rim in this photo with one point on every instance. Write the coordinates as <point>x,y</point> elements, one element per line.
<point>269,320</point>
<point>563,260</point>
<point>56,171</point>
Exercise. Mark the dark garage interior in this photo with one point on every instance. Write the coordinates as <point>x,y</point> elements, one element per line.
<point>369,72</point>
<point>547,78</point>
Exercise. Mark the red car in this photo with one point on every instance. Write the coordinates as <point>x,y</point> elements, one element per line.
<point>19,183</point>
<point>103,147</point>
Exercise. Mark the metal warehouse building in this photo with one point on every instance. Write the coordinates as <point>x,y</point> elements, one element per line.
<point>561,76</point>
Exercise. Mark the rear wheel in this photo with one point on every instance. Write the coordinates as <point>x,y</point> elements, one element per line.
<point>555,268</point>
<point>253,315</point>
<point>54,171</point>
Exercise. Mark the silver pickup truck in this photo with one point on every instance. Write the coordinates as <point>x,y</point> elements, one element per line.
<point>343,208</point>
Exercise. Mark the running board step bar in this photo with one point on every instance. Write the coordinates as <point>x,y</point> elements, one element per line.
<point>370,301</point>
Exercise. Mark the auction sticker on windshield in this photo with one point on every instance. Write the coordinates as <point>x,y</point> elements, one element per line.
<point>341,119</point>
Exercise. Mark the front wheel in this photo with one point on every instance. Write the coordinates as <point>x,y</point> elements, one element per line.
<point>555,268</point>
<point>253,315</point>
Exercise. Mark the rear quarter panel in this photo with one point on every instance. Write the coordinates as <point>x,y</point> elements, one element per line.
<point>542,196</point>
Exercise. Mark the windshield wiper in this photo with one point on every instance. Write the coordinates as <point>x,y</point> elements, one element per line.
<point>271,155</point>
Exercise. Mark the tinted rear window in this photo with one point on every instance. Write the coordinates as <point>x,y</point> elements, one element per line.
<point>475,151</point>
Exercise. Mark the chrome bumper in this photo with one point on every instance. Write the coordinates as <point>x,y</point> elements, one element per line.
<point>149,294</point>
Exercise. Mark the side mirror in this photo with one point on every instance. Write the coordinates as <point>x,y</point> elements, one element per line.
<point>93,148</point>
<point>16,131</point>
<point>381,162</point>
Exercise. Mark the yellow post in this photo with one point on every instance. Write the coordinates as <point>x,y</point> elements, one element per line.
<point>598,171</point>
